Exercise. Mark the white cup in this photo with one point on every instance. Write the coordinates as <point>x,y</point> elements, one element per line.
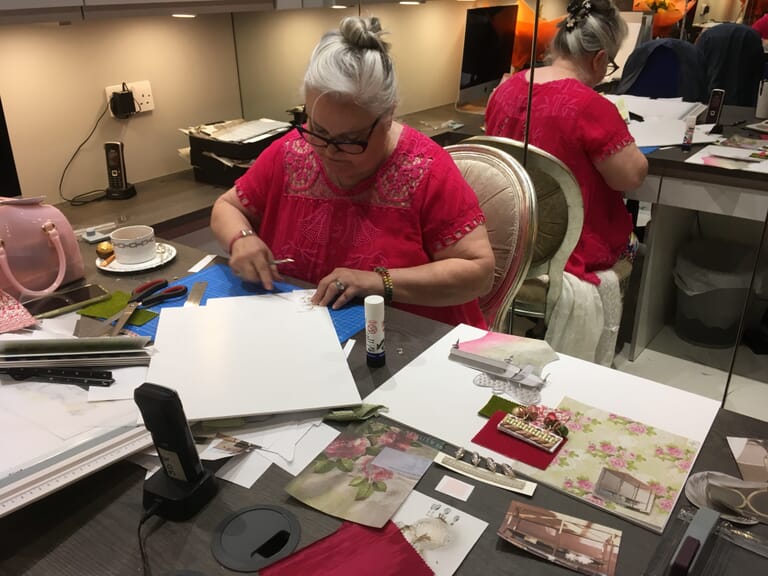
<point>133,244</point>
<point>761,111</point>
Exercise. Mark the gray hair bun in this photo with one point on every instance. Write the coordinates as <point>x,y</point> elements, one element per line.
<point>363,33</point>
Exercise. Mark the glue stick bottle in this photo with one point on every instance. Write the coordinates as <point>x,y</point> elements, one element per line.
<point>690,126</point>
<point>374,331</point>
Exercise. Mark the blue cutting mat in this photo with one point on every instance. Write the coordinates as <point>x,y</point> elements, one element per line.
<point>347,321</point>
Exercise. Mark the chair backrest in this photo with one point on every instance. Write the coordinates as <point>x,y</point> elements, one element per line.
<point>731,58</point>
<point>507,197</point>
<point>663,68</point>
<point>560,211</point>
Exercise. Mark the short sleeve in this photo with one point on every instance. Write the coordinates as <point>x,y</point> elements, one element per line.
<point>602,129</point>
<point>450,209</point>
<point>253,187</point>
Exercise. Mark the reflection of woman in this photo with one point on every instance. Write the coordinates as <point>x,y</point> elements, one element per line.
<point>761,25</point>
<point>581,128</point>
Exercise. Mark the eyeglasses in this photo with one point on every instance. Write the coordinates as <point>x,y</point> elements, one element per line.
<point>346,146</point>
<point>612,67</point>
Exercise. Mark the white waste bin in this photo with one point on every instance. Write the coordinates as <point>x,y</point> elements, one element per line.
<point>712,279</point>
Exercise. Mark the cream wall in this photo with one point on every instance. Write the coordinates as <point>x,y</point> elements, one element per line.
<point>52,81</point>
<point>274,48</point>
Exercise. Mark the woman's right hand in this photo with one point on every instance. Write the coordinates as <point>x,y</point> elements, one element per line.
<point>250,260</point>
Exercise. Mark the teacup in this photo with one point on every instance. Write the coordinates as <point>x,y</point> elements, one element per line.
<point>133,244</point>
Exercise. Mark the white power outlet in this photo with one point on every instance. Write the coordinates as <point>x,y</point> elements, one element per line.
<point>142,94</point>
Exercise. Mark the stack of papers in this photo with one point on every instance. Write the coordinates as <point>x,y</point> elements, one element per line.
<point>250,131</point>
<point>663,119</point>
<point>77,352</point>
<point>251,355</point>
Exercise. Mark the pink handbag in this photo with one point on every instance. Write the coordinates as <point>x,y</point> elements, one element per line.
<point>38,248</point>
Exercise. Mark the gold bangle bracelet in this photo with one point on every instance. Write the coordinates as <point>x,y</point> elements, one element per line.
<point>387,280</point>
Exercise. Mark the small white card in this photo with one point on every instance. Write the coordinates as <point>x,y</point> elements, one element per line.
<point>453,487</point>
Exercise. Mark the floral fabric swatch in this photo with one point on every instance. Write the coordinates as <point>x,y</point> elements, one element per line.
<point>366,473</point>
<point>622,466</point>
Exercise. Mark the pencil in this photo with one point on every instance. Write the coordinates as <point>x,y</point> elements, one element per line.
<point>108,260</point>
<point>281,261</point>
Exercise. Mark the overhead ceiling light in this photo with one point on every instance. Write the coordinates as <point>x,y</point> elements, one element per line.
<point>412,2</point>
<point>184,15</point>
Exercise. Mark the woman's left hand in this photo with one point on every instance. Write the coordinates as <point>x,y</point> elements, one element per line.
<point>345,284</point>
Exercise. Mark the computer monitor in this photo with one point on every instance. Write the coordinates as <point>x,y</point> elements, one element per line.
<point>9,180</point>
<point>489,37</point>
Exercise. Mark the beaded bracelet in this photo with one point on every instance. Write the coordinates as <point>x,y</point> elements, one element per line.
<point>387,279</point>
<point>241,234</point>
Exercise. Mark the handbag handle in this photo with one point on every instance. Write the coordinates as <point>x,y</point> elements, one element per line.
<point>53,236</point>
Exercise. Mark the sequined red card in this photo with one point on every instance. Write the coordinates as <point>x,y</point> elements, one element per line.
<point>490,437</point>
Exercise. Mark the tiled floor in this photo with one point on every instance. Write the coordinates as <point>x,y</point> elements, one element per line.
<point>668,359</point>
<point>704,371</point>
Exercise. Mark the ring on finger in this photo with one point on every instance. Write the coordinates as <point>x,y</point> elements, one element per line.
<point>339,285</point>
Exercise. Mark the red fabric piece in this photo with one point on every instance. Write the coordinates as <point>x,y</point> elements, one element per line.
<point>353,550</point>
<point>580,127</point>
<point>416,204</point>
<point>490,437</point>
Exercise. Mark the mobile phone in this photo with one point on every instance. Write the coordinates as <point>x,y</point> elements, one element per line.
<point>65,301</point>
<point>115,165</point>
<point>716,100</point>
<point>165,419</point>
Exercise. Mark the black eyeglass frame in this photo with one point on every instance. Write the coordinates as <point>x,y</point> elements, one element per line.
<point>338,143</point>
<point>612,67</point>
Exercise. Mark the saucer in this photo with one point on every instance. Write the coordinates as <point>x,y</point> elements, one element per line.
<point>164,253</point>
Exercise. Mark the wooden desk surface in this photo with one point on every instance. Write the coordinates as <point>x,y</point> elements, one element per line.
<point>174,205</point>
<point>89,528</point>
<point>670,161</point>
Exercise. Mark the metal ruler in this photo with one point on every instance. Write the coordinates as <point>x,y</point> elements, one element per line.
<point>29,485</point>
<point>493,478</point>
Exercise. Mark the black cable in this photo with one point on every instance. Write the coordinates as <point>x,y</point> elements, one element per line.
<point>146,516</point>
<point>527,126</point>
<point>81,199</point>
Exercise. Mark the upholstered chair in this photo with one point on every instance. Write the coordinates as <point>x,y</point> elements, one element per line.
<point>508,200</point>
<point>560,214</point>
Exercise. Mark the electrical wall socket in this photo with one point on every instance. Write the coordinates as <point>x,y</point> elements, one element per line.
<point>142,94</point>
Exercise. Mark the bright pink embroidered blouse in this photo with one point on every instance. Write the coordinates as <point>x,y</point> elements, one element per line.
<point>761,25</point>
<point>416,204</point>
<point>580,127</point>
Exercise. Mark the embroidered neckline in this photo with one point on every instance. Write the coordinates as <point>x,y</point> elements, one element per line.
<point>364,186</point>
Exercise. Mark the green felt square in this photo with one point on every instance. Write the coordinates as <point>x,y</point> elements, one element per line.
<point>495,404</point>
<point>113,305</point>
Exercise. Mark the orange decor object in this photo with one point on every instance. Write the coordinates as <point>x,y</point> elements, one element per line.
<point>666,13</point>
<point>521,53</point>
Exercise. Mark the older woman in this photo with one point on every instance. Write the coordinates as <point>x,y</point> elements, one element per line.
<point>362,204</point>
<point>581,128</point>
